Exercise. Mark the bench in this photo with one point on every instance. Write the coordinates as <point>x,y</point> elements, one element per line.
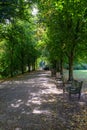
<point>74,88</point>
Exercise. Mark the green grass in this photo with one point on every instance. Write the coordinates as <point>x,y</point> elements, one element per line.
<point>77,74</point>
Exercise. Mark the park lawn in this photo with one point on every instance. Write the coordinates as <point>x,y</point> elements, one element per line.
<point>77,74</point>
<point>80,74</point>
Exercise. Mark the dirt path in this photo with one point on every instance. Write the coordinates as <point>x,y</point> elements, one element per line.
<point>33,102</point>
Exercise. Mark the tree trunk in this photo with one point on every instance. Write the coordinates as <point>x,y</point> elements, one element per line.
<point>71,57</point>
<point>22,62</point>
<point>57,66</point>
<point>22,69</point>
<point>11,67</point>
<point>28,68</point>
<point>22,66</point>
<point>33,66</point>
<point>11,71</point>
<point>11,63</point>
<point>61,66</point>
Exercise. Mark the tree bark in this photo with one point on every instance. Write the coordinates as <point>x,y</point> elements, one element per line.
<point>28,67</point>
<point>61,66</point>
<point>58,66</point>
<point>22,64</point>
<point>71,57</point>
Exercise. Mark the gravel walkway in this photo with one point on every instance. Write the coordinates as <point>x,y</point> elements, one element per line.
<point>33,102</point>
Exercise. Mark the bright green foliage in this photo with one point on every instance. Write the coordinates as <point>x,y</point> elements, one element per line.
<point>67,26</point>
<point>19,47</point>
<point>18,34</point>
<point>62,30</point>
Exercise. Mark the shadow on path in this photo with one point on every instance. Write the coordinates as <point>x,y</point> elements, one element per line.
<point>33,102</point>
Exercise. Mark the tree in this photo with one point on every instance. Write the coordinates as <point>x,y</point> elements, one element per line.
<point>66,25</point>
<point>19,47</point>
<point>17,30</point>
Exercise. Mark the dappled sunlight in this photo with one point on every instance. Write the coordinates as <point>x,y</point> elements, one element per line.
<point>34,100</point>
<point>40,99</point>
<point>38,111</point>
<point>37,100</point>
<point>44,74</point>
<point>17,103</point>
<point>51,91</point>
<point>43,80</point>
<point>24,112</point>
<point>24,82</point>
<point>81,103</point>
<point>28,81</point>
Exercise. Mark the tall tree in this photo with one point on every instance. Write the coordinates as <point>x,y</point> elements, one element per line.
<point>66,24</point>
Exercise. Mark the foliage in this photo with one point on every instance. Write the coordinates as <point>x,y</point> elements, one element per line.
<point>67,26</point>
<point>19,49</point>
<point>59,30</point>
